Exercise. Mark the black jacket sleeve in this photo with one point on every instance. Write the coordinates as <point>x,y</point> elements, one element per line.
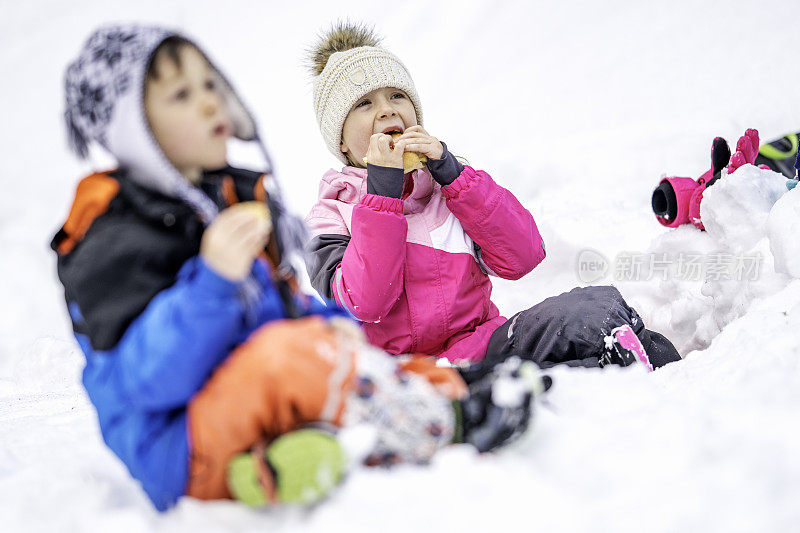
<point>446,169</point>
<point>385,181</point>
<point>325,253</point>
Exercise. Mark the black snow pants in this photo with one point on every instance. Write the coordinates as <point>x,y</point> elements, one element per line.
<point>569,329</point>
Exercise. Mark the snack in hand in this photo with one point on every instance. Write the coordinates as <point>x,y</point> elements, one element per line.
<point>411,160</point>
<point>260,211</point>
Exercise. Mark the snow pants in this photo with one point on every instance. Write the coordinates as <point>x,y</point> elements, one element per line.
<point>276,381</point>
<point>570,329</point>
<point>289,373</point>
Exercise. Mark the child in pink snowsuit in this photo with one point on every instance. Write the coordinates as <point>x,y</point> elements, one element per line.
<point>409,252</point>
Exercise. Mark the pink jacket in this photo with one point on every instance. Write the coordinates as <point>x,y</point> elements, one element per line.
<point>414,270</point>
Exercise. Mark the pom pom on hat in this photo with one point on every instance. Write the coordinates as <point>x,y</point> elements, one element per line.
<point>341,37</point>
<point>348,64</point>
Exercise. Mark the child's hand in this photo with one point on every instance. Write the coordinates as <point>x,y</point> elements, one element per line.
<point>233,240</point>
<point>418,140</point>
<point>384,152</point>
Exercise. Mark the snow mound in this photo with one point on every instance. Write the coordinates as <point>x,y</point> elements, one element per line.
<point>783,234</point>
<point>711,278</point>
<point>735,208</point>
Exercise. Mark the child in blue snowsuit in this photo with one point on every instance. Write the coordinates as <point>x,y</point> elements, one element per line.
<point>154,306</point>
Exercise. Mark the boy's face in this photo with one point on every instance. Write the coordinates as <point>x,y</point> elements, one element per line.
<point>380,111</point>
<point>186,113</point>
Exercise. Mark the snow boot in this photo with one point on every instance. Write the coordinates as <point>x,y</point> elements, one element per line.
<point>623,347</point>
<point>780,155</point>
<point>676,200</point>
<point>500,405</point>
<point>300,467</point>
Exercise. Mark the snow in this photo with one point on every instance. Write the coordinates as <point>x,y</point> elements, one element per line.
<point>738,268</point>
<point>783,241</point>
<point>578,108</point>
<point>736,212</point>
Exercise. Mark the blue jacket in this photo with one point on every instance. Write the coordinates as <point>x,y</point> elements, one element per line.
<point>176,321</point>
<point>141,387</point>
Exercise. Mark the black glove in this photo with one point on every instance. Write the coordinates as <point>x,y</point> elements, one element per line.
<point>499,406</point>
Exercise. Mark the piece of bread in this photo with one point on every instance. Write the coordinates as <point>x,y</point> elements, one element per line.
<point>411,160</point>
<point>260,211</point>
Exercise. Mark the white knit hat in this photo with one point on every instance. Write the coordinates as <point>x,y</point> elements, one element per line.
<point>351,73</point>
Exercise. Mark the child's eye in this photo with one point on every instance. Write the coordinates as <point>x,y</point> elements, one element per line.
<point>211,85</point>
<point>362,103</point>
<point>398,95</point>
<point>181,95</point>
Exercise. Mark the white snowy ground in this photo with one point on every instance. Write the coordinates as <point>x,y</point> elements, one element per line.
<point>576,107</point>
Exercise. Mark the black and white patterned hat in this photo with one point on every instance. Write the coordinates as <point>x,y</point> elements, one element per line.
<point>104,90</point>
<point>105,104</point>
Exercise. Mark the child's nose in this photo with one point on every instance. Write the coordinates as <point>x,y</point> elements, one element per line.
<point>210,104</point>
<point>387,111</point>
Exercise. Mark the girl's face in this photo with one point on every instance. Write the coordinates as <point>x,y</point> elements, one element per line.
<point>381,111</point>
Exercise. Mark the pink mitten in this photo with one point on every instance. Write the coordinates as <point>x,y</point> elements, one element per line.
<point>746,150</point>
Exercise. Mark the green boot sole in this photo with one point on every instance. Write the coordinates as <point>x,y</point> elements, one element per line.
<point>307,464</point>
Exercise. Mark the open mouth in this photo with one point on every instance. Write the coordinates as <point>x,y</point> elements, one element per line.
<point>221,130</point>
<point>391,130</point>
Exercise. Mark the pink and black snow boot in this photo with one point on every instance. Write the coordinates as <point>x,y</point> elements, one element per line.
<point>623,347</point>
<point>677,200</point>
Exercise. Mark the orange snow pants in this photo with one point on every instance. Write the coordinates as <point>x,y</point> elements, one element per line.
<point>287,374</point>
